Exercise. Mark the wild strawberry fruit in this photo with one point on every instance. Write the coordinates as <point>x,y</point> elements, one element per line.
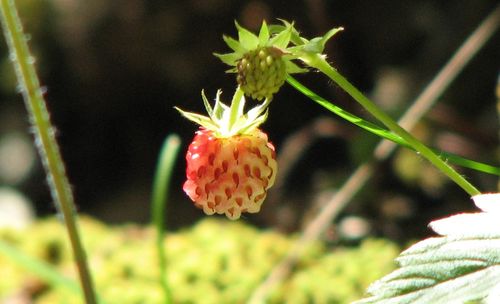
<point>230,162</point>
<point>261,72</point>
<point>262,62</point>
<point>229,175</point>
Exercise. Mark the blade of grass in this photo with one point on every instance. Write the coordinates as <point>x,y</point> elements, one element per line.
<point>379,131</point>
<point>39,268</point>
<point>161,185</point>
<point>44,138</point>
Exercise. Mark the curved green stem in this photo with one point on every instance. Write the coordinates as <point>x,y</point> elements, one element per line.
<point>45,138</point>
<point>319,62</point>
<point>161,185</point>
<point>379,131</point>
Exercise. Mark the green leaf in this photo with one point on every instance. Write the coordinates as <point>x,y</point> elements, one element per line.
<point>229,59</point>
<point>219,107</point>
<point>255,123</point>
<point>317,45</point>
<point>254,117</point>
<point>282,39</point>
<point>208,107</point>
<point>461,265</point>
<point>276,28</point>
<point>247,39</point>
<point>258,110</point>
<point>232,70</point>
<point>199,119</point>
<point>236,109</point>
<point>313,46</point>
<point>295,36</point>
<point>233,44</point>
<point>330,34</point>
<point>292,68</point>
<point>264,33</point>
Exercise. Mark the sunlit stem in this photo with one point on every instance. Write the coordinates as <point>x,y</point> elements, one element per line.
<point>45,139</point>
<point>237,103</point>
<point>318,61</point>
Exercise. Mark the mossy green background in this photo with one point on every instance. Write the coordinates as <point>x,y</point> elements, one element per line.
<point>215,261</point>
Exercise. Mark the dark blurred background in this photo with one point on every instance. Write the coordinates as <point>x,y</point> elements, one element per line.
<point>113,71</point>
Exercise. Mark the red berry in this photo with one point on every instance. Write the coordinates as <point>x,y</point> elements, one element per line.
<point>229,175</point>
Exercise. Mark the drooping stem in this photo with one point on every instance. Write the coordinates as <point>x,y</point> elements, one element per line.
<point>161,186</point>
<point>389,135</point>
<point>319,62</point>
<point>44,138</point>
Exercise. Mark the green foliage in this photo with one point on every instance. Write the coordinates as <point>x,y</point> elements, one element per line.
<point>460,266</point>
<point>215,261</point>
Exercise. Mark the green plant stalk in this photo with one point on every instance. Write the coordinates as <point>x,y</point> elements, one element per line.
<point>319,62</point>
<point>235,105</point>
<point>379,131</point>
<point>44,138</point>
<point>161,185</point>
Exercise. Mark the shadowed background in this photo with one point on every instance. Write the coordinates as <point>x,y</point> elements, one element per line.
<point>113,71</point>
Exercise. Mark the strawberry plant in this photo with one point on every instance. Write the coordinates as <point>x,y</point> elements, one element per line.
<point>430,268</point>
<point>230,167</point>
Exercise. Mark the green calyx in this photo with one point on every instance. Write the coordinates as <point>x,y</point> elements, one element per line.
<point>264,61</point>
<point>226,121</point>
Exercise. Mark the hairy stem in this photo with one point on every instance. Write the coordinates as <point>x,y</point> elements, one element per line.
<point>44,138</point>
